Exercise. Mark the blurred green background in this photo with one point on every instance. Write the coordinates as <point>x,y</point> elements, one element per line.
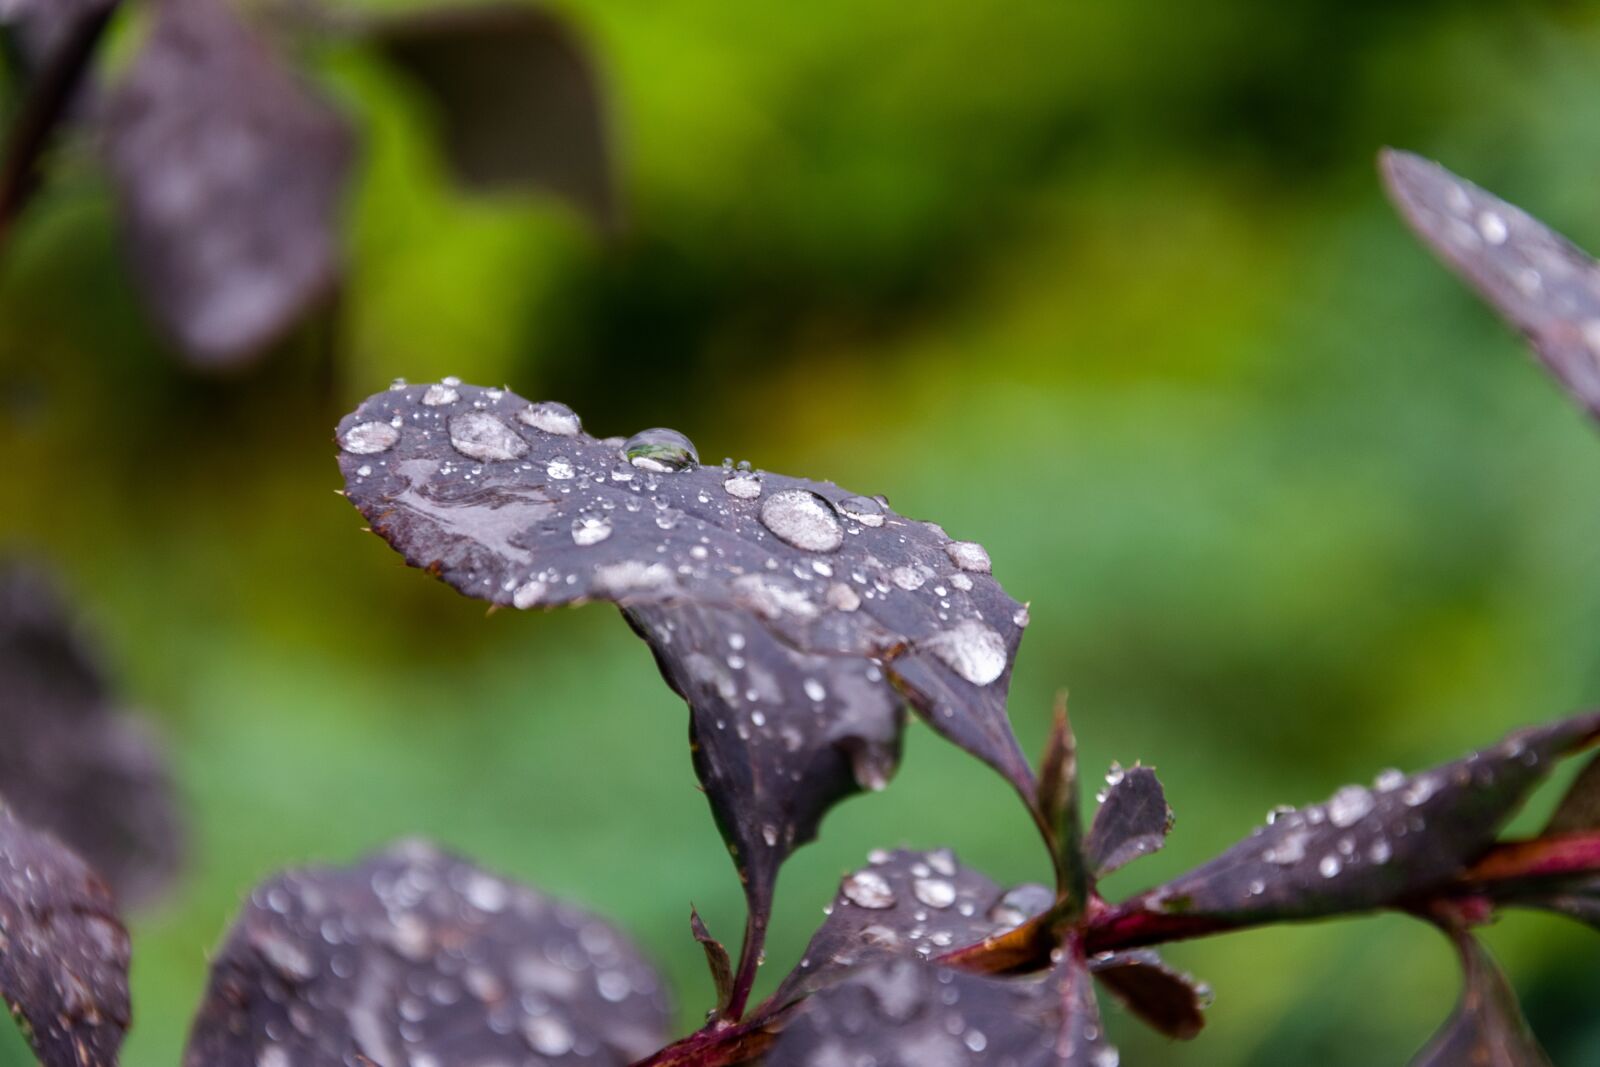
<point>1110,288</point>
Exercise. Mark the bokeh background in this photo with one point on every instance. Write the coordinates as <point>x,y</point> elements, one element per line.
<point>1110,288</point>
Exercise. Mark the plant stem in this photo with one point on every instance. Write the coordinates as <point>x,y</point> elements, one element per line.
<point>42,109</point>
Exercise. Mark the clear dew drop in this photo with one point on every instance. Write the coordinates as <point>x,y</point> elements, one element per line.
<point>528,594</point>
<point>1380,851</point>
<point>479,435</point>
<point>934,892</point>
<point>969,556</point>
<point>590,530</point>
<point>1330,866</point>
<point>369,438</point>
<point>439,395</point>
<point>1389,780</point>
<point>907,578</point>
<point>801,518</point>
<point>548,1035</point>
<point>551,417</point>
<point>868,889</point>
<point>862,509</point>
<point>559,469</point>
<point>972,650</point>
<point>1349,806</point>
<point>1493,228</point>
<point>660,450</point>
<point>742,485</point>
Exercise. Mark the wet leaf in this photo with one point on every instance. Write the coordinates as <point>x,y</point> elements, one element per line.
<point>74,764</point>
<point>63,950</point>
<point>229,175</point>
<point>1537,280</point>
<point>1579,809</point>
<point>516,98</point>
<point>716,960</point>
<point>1487,1028</point>
<point>906,903</point>
<point>906,1013</point>
<point>1367,848</point>
<point>1060,804</point>
<point>1168,1001</point>
<point>788,613</point>
<point>1133,820</point>
<point>413,956</point>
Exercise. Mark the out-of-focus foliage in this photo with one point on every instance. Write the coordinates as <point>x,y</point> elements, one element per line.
<point>1112,291</point>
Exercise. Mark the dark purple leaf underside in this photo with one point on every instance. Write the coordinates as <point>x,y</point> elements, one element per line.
<point>790,614</point>
<point>1487,1028</point>
<point>72,763</point>
<point>1367,848</point>
<point>717,961</point>
<point>63,950</point>
<point>1133,820</point>
<point>906,904</point>
<point>516,97</point>
<point>230,175</point>
<point>907,1013</point>
<point>1168,1001</point>
<point>1579,809</point>
<point>1537,280</point>
<point>415,956</point>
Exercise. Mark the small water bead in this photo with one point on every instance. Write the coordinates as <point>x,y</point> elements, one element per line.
<point>907,578</point>
<point>560,469</point>
<point>1330,866</point>
<point>440,395</point>
<point>801,518</point>
<point>1493,228</point>
<point>369,438</point>
<point>660,450</point>
<point>1420,791</point>
<point>868,889</point>
<point>479,435</point>
<point>842,597</point>
<point>551,417</point>
<point>972,650</point>
<point>862,509</point>
<point>590,529</point>
<point>969,556</point>
<point>815,690</point>
<point>1380,851</point>
<point>742,485</point>
<point>548,1035</point>
<point>934,892</point>
<point>1349,806</point>
<point>1389,780</point>
<point>528,594</point>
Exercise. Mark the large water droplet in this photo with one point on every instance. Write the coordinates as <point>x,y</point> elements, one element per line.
<point>590,529</point>
<point>551,417</point>
<point>660,450</point>
<point>1349,806</point>
<point>745,485</point>
<point>1330,866</point>
<point>548,1035</point>
<point>969,556</point>
<point>369,438</point>
<point>479,435</point>
<point>803,519</point>
<point>439,395</point>
<point>868,889</point>
<point>972,650</point>
<point>934,892</point>
<point>863,509</point>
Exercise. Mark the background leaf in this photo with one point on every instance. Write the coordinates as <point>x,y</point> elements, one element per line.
<point>1487,1028</point>
<point>412,955</point>
<point>1168,1001</point>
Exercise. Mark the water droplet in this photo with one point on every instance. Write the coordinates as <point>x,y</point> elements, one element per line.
<point>660,450</point>
<point>369,438</point>
<point>528,594</point>
<point>969,556</point>
<point>972,650</point>
<point>868,889</point>
<point>742,484</point>
<point>803,519</point>
<point>439,395</point>
<point>907,578</point>
<point>590,529</point>
<point>1330,866</point>
<point>976,1041</point>
<point>1349,806</point>
<point>479,435</point>
<point>1380,851</point>
<point>548,1035</point>
<point>842,597</point>
<point>1420,791</point>
<point>769,834</point>
<point>815,690</point>
<point>1389,780</point>
<point>862,509</point>
<point>934,892</point>
<point>1290,850</point>
<point>1493,227</point>
<point>551,417</point>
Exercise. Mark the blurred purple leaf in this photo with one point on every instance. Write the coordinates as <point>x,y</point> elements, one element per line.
<point>1368,848</point>
<point>1537,280</point>
<point>1579,808</point>
<point>74,764</point>
<point>230,175</point>
<point>791,615</point>
<point>515,95</point>
<point>63,950</point>
<point>1169,1001</point>
<point>415,956</point>
<point>1487,1028</point>
<point>717,961</point>
<point>1061,806</point>
<point>1133,820</point>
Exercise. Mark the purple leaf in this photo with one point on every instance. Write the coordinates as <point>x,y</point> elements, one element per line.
<point>1579,809</point>
<point>416,956</point>
<point>74,764</point>
<point>906,1013</point>
<point>230,176</point>
<point>788,613</point>
<point>717,961</point>
<point>1487,1028</point>
<point>1368,848</point>
<point>516,97</point>
<point>1537,280</point>
<point>63,950</point>
<point>1168,1001</point>
<point>1133,820</point>
<point>1061,806</point>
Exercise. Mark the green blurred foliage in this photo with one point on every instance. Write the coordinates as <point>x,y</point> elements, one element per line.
<point>1110,288</point>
